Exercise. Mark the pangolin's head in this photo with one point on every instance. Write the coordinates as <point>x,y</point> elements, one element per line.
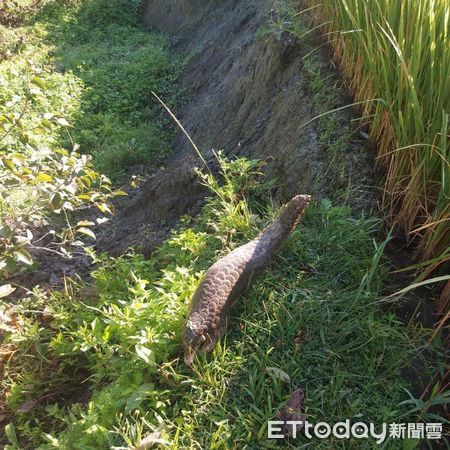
<point>194,339</point>
<point>300,201</point>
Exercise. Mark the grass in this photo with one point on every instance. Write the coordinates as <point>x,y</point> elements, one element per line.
<point>120,64</point>
<point>100,67</point>
<point>100,366</point>
<point>396,59</point>
<point>314,315</point>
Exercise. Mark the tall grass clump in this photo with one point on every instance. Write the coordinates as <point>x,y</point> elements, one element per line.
<point>395,57</point>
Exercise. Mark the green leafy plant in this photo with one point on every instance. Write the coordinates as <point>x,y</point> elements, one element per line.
<point>38,182</point>
<point>313,316</point>
<point>56,91</point>
<point>134,326</point>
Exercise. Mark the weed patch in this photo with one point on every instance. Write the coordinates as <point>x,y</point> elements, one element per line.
<point>313,315</point>
<point>100,67</point>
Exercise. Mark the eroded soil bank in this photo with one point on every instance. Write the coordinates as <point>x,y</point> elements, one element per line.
<point>252,88</point>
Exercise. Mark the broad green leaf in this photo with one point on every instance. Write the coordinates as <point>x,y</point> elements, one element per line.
<point>86,181</point>
<point>104,207</point>
<point>39,82</point>
<point>9,164</point>
<point>18,159</point>
<point>56,201</point>
<point>46,123</point>
<point>6,232</point>
<point>43,177</point>
<point>11,264</point>
<point>71,188</point>
<point>85,223</point>
<point>24,138</point>
<point>63,122</point>
<point>23,256</point>
<point>11,435</point>
<point>40,130</point>
<point>145,354</point>
<point>61,151</point>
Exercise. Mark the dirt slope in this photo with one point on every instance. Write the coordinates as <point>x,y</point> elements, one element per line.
<point>248,94</point>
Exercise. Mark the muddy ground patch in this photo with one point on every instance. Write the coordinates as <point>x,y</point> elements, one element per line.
<point>250,86</point>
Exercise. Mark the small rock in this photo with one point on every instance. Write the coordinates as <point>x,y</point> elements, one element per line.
<point>27,406</point>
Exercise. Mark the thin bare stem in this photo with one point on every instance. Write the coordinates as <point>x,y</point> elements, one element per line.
<point>184,131</point>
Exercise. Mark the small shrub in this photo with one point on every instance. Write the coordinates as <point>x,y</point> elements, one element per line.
<point>39,181</point>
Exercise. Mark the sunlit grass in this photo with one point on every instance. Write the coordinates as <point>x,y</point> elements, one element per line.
<point>314,315</point>
<point>99,74</point>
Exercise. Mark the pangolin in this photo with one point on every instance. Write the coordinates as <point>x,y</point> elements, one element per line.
<point>229,277</point>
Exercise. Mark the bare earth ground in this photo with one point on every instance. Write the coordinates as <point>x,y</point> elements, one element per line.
<point>249,95</point>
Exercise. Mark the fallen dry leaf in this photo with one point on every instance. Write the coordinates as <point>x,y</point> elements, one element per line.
<point>293,412</point>
<point>150,440</point>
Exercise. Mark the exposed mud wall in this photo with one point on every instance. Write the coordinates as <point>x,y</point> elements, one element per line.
<point>248,94</point>
<point>170,15</point>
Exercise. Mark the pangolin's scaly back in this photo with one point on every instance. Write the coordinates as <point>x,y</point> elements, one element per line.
<point>231,275</point>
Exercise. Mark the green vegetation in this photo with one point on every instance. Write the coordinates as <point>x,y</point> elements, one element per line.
<point>39,179</point>
<point>99,366</point>
<point>100,66</point>
<point>119,64</point>
<point>314,315</point>
<point>396,58</point>
<point>76,76</point>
